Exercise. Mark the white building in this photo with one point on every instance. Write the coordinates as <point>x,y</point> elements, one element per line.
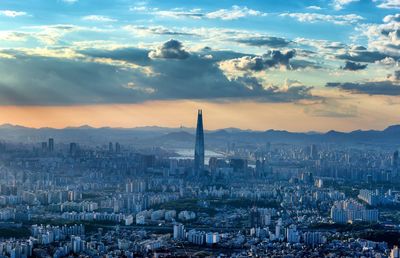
<point>351,210</point>
<point>179,231</point>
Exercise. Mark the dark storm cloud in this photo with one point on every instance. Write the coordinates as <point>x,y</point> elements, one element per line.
<point>389,88</point>
<point>352,66</point>
<point>171,49</point>
<point>273,42</point>
<point>38,80</point>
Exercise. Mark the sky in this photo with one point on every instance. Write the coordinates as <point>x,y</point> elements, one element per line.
<point>289,65</point>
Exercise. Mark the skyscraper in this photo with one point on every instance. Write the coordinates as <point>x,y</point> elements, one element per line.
<point>110,147</point>
<point>395,159</point>
<point>199,146</point>
<point>51,144</point>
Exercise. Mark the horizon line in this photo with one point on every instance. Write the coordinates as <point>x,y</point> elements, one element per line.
<point>192,128</point>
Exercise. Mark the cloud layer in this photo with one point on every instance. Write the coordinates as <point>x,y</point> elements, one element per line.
<point>131,75</point>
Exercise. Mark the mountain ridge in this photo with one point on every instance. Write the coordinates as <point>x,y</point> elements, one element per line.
<point>174,136</point>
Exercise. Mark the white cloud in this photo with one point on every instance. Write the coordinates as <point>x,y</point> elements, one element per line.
<point>234,13</point>
<point>179,13</point>
<point>339,4</point>
<point>144,31</point>
<point>388,4</point>
<point>314,7</point>
<point>317,17</point>
<point>98,18</point>
<point>383,37</point>
<point>51,34</point>
<point>11,13</point>
<point>13,36</point>
<point>389,61</point>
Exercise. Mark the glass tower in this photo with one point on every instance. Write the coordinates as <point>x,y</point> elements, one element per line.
<point>199,146</point>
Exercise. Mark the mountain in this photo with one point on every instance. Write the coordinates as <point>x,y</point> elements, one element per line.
<point>154,135</point>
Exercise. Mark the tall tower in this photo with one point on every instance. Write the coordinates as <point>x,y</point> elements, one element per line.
<point>51,144</point>
<point>199,146</point>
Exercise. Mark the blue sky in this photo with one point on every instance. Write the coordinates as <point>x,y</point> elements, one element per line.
<point>324,59</point>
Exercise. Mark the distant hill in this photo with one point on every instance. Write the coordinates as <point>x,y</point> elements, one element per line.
<point>153,135</point>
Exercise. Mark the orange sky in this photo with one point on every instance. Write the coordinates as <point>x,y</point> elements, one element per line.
<point>245,115</point>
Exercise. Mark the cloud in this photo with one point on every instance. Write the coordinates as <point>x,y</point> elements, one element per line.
<point>317,17</point>
<point>274,59</point>
<point>12,14</point>
<point>96,77</point>
<point>128,54</point>
<point>388,61</point>
<point>330,107</point>
<point>236,12</point>
<point>392,18</point>
<point>383,37</point>
<point>98,18</point>
<point>388,4</point>
<point>397,75</point>
<point>389,88</point>
<point>52,34</point>
<point>351,66</point>
<point>339,4</point>
<point>313,7</point>
<point>273,42</point>
<point>178,13</point>
<point>361,54</point>
<point>35,80</point>
<point>171,49</point>
<point>271,60</point>
<point>14,36</point>
<point>143,31</point>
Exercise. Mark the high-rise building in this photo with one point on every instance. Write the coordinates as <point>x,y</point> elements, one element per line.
<point>314,152</point>
<point>110,147</point>
<point>179,231</point>
<point>255,218</point>
<point>117,147</point>
<point>292,235</point>
<point>199,146</point>
<point>395,160</point>
<point>73,147</point>
<point>51,145</point>
<point>44,146</point>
